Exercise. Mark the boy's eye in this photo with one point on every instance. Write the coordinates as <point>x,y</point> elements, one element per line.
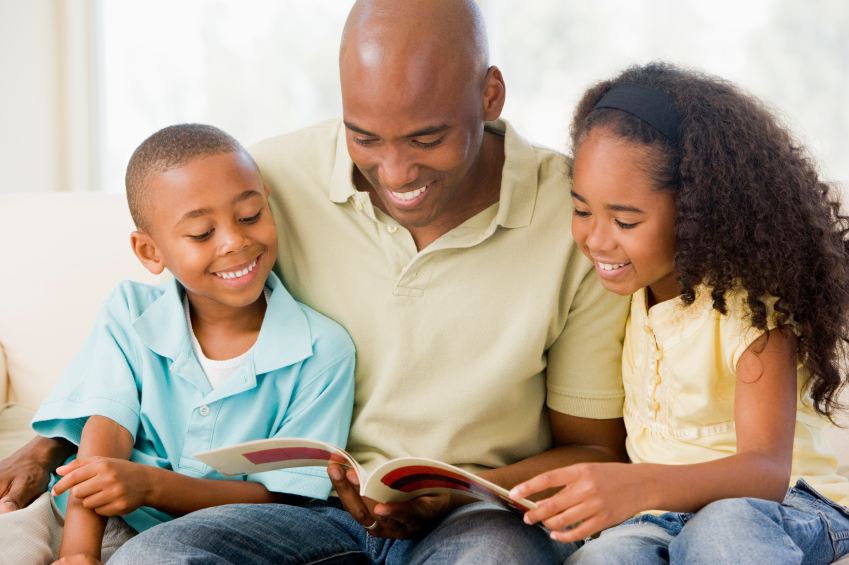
<point>252,219</point>
<point>581,213</point>
<point>201,237</point>
<point>625,226</point>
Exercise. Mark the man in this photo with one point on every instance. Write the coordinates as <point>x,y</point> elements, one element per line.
<point>440,240</point>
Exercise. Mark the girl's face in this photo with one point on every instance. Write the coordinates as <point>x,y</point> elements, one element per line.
<point>622,223</point>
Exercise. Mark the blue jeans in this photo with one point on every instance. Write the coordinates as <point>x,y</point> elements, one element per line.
<point>322,532</point>
<point>806,528</point>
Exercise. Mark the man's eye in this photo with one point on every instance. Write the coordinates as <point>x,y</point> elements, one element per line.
<point>625,226</point>
<point>428,145</point>
<point>201,237</point>
<point>581,214</point>
<point>366,142</point>
<point>252,219</point>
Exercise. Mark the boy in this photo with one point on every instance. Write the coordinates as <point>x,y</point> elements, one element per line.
<point>220,355</point>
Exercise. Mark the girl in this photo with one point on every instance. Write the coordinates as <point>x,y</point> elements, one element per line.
<point>690,195</point>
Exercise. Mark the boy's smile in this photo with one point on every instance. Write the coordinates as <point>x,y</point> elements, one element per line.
<point>212,228</point>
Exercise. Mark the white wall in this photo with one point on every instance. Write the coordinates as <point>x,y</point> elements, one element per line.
<point>47,120</point>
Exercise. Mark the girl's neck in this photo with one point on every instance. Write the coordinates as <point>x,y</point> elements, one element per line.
<point>662,290</point>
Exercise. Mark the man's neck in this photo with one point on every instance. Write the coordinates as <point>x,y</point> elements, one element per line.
<point>479,189</point>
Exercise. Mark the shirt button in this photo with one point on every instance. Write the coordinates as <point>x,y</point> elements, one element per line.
<point>654,405</point>
<point>392,229</point>
<point>204,410</point>
<point>655,380</point>
<point>647,328</point>
<point>358,205</point>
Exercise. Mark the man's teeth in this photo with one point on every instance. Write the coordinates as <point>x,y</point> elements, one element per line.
<point>237,274</point>
<point>610,267</point>
<point>409,195</point>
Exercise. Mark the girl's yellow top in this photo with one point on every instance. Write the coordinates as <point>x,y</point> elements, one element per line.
<point>679,368</point>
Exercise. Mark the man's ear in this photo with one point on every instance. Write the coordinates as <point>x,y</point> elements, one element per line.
<point>145,249</point>
<point>494,94</point>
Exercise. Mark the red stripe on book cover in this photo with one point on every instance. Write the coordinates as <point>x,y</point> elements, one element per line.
<point>287,454</point>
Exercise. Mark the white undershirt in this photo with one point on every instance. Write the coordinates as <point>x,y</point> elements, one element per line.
<point>216,371</point>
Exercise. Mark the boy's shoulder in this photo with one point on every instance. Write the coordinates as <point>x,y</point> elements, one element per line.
<point>134,298</point>
<point>327,336</point>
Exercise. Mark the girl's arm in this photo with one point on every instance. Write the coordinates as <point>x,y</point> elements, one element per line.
<point>603,495</point>
<point>83,532</point>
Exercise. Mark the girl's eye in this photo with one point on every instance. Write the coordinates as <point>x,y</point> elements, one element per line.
<point>581,213</point>
<point>625,226</point>
<point>201,237</point>
<point>252,219</point>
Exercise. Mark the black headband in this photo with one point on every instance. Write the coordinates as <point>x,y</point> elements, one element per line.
<point>653,107</point>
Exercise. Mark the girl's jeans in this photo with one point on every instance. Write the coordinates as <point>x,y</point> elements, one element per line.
<point>806,528</point>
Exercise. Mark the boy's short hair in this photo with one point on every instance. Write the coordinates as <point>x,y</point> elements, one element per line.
<point>167,149</point>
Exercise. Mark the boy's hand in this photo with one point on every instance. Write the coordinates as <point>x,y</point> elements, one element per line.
<point>110,487</point>
<point>595,496</point>
<point>80,559</point>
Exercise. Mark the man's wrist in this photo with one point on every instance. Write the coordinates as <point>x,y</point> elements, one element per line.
<point>47,453</point>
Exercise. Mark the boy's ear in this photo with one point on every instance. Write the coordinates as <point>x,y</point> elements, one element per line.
<point>145,249</point>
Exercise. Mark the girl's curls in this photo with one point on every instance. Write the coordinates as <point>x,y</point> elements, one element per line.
<point>751,212</point>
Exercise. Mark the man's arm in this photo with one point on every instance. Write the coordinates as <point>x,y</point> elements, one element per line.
<point>25,474</point>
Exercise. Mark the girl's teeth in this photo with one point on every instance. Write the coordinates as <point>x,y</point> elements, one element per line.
<point>409,195</point>
<point>610,267</point>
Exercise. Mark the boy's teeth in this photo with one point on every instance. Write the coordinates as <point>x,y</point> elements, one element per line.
<point>409,195</point>
<point>237,274</point>
<point>610,267</point>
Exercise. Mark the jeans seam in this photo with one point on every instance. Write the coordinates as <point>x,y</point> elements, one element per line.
<point>329,557</point>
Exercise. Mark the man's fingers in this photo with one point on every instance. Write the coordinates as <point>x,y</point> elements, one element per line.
<point>349,496</point>
<point>16,497</point>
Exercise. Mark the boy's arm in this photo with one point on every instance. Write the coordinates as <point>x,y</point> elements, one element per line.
<point>83,527</point>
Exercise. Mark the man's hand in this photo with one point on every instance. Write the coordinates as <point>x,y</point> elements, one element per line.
<point>396,520</point>
<point>594,496</point>
<point>25,474</point>
<point>80,559</point>
<point>110,487</point>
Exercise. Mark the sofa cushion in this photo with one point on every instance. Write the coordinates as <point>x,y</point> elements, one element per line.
<point>67,252</point>
<point>15,430</point>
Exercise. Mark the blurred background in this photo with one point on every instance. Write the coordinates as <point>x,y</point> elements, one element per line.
<point>83,82</point>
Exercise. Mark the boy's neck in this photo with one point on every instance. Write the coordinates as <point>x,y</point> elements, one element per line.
<point>225,332</point>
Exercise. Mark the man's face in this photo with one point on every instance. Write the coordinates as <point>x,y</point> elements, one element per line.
<point>413,141</point>
<point>212,228</point>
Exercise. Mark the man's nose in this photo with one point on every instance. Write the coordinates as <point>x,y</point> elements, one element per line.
<point>396,170</point>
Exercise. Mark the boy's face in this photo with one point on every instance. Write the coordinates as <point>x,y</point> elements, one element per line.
<point>212,228</point>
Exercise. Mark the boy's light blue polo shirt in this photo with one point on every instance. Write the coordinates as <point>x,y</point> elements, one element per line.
<point>137,368</point>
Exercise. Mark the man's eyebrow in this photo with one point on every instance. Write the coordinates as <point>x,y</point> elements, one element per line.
<point>428,130</point>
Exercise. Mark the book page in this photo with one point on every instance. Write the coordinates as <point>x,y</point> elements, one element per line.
<point>408,477</point>
<point>271,454</point>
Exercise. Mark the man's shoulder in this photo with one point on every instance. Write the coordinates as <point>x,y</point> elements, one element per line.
<point>299,149</point>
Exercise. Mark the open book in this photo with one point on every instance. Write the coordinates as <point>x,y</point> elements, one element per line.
<point>394,481</point>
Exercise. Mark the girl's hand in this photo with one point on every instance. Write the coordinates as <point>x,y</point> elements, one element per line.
<point>110,487</point>
<point>595,496</point>
<point>80,559</point>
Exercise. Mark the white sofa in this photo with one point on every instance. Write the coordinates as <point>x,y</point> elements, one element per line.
<point>61,254</point>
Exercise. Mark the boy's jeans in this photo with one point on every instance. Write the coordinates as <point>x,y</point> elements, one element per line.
<point>322,532</point>
<point>806,529</point>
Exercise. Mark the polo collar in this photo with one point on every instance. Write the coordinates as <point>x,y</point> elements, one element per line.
<point>519,178</point>
<point>284,336</point>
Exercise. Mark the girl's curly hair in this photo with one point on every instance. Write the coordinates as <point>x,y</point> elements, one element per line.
<point>751,212</point>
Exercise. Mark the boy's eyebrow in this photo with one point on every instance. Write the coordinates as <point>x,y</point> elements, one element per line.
<point>428,130</point>
<point>202,211</point>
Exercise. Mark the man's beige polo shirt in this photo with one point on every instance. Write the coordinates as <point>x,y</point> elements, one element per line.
<point>460,346</point>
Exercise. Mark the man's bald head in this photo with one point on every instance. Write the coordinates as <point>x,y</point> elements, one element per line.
<point>412,40</point>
